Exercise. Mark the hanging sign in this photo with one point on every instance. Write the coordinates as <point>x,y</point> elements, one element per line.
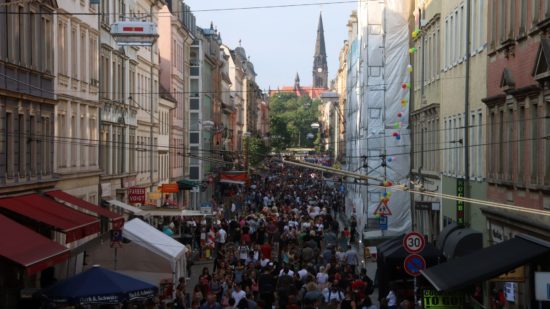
<point>460,204</point>
<point>440,300</point>
<point>136,195</point>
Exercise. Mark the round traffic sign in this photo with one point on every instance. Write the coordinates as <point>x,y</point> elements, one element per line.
<point>413,264</point>
<point>414,242</point>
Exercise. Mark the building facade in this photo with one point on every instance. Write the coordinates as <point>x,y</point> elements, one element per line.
<point>77,108</point>
<point>27,97</point>
<point>461,88</point>
<point>176,36</point>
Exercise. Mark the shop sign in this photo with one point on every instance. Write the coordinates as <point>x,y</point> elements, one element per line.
<point>441,300</point>
<point>154,195</point>
<point>460,203</point>
<point>170,188</point>
<point>106,189</point>
<point>517,275</point>
<point>542,286</point>
<point>136,195</point>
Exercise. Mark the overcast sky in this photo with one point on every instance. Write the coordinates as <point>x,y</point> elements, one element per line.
<point>279,41</point>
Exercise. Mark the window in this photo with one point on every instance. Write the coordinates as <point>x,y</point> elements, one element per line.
<point>93,70</point>
<point>511,18</point>
<point>522,16</point>
<point>83,140</point>
<point>501,20</point>
<point>104,10</point>
<point>73,140</point>
<point>534,143</point>
<point>474,26</point>
<point>20,151</point>
<point>92,156</point>
<point>493,23</point>
<point>83,59</point>
<point>481,24</point>
<point>521,144</point>
<point>62,48</point>
<point>501,145</point>
<point>535,11</point>
<point>460,34</point>
<point>447,46</point>
<point>74,49</point>
<point>132,147</point>
<point>480,147</point>
<point>9,137</point>
<point>46,146</point>
<point>510,144</point>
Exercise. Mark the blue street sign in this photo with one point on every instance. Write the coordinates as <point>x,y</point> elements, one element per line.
<point>413,264</point>
<point>383,223</point>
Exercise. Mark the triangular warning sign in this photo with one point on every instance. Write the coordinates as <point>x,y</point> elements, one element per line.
<point>382,209</point>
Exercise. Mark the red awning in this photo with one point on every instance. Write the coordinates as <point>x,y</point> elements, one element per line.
<point>74,224</point>
<point>116,219</point>
<point>239,178</point>
<point>28,248</point>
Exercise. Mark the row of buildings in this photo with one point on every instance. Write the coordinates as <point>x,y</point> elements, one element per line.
<point>95,119</point>
<point>81,113</point>
<point>473,120</point>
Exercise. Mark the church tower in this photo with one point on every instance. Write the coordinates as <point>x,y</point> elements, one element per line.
<point>320,68</point>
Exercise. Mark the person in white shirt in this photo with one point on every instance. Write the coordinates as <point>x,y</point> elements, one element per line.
<point>238,294</point>
<point>332,293</point>
<point>391,299</point>
<point>302,273</point>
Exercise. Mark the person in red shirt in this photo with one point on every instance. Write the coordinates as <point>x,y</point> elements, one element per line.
<point>359,287</point>
<point>266,251</point>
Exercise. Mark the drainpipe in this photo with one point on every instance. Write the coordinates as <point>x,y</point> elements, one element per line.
<point>467,110</point>
<point>151,161</point>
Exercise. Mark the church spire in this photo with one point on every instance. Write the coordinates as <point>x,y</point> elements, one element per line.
<point>320,68</point>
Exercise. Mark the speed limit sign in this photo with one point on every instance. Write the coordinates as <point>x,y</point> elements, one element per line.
<point>414,242</point>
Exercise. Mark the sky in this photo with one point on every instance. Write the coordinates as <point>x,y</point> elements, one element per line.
<point>279,41</point>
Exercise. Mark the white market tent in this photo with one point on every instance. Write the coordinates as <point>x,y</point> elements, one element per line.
<point>156,241</point>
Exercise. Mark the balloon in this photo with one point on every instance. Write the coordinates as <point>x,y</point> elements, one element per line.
<point>385,194</point>
<point>399,114</point>
<point>409,68</point>
<point>397,125</point>
<point>414,34</point>
<point>389,194</point>
<point>394,158</point>
<point>408,85</point>
<point>395,134</point>
<point>404,85</point>
<point>404,102</point>
<point>398,137</point>
<point>389,159</point>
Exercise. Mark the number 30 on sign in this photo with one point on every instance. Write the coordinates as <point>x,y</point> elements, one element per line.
<point>414,242</point>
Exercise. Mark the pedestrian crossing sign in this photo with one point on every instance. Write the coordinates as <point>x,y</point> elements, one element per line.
<point>383,209</point>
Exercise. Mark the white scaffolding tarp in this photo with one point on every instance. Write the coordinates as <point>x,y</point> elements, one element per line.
<point>378,58</point>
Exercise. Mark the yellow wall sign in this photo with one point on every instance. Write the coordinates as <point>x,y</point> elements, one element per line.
<point>440,300</point>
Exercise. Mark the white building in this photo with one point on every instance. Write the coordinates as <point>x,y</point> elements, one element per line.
<point>129,96</point>
<point>76,148</point>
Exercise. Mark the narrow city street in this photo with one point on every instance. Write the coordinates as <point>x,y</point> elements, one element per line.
<point>282,240</point>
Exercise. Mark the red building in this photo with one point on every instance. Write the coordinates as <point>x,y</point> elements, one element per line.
<point>518,103</point>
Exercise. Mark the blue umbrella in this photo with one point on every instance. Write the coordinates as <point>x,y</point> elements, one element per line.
<point>98,285</point>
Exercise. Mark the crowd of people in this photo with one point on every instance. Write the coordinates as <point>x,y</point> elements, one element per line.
<point>278,244</point>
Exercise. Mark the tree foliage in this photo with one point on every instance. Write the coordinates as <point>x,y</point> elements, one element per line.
<point>258,150</point>
<point>290,120</point>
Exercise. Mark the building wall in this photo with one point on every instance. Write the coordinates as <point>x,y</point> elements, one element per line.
<point>77,109</point>
<point>517,100</point>
<point>27,97</point>
<point>452,139</point>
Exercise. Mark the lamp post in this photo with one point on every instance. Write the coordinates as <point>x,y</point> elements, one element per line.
<point>247,150</point>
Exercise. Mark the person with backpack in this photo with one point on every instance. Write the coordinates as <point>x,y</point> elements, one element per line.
<point>333,293</point>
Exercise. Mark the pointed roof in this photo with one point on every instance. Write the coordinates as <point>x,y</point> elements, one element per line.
<point>297,79</point>
<point>542,63</point>
<point>320,43</point>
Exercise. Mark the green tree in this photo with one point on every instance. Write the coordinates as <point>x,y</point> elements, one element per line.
<point>290,120</point>
<point>258,150</point>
